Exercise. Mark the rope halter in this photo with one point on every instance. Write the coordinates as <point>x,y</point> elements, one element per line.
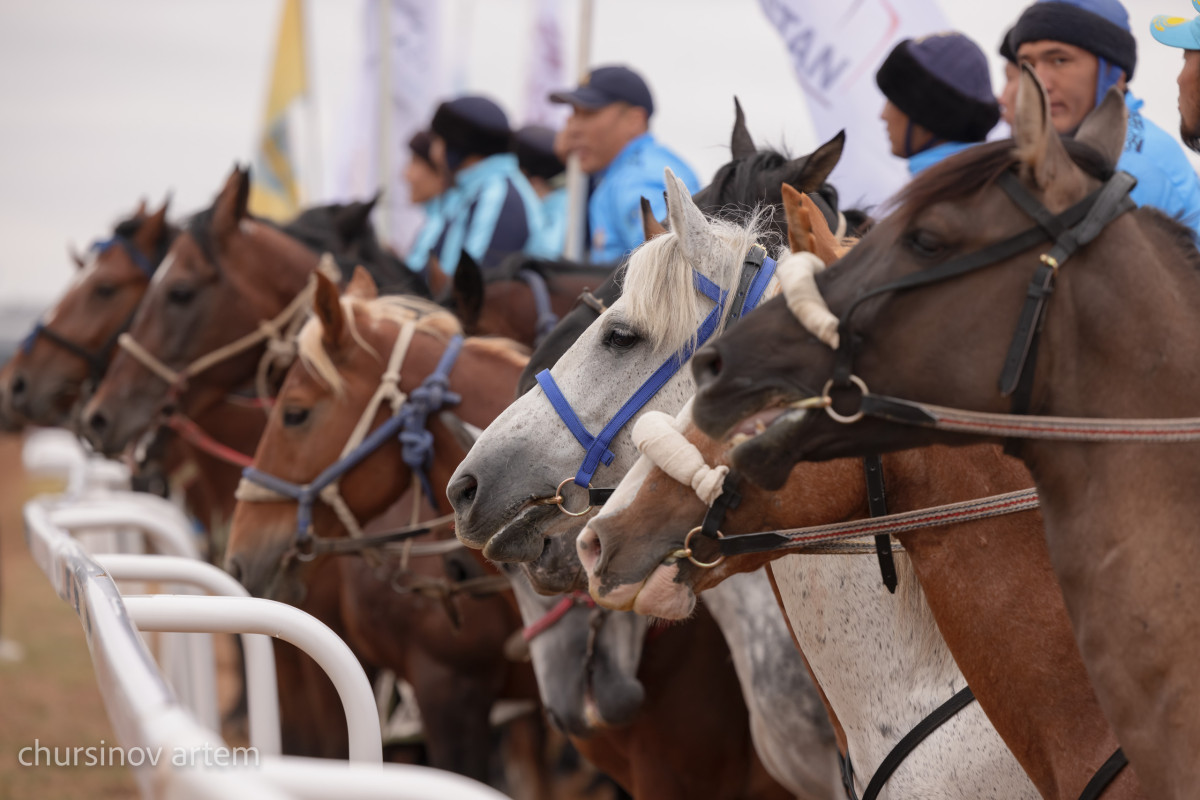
<point>408,422</point>
<point>278,334</point>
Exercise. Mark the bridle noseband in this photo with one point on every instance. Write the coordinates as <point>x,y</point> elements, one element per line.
<point>756,274</point>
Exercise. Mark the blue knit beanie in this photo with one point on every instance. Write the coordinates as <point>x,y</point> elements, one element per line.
<point>942,83</point>
<point>1099,26</point>
<point>471,126</point>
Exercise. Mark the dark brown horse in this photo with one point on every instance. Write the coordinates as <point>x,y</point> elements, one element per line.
<point>1117,342</point>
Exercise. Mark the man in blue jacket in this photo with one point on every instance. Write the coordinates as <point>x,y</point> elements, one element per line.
<point>939,98</point>
<point>491,210</point>
<point>1082,48</point>
<point>609,130</point>
<point>1184,34</point>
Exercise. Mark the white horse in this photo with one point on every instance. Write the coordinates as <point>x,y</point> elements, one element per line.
<point>528,451</point>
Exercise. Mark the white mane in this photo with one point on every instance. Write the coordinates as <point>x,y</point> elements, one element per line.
<point>661,300</point>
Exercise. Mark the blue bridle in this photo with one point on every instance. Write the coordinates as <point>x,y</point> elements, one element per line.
<point>409,423</point>
<point>97,361</point>
<point>757,271</point>
<point>546,318</point>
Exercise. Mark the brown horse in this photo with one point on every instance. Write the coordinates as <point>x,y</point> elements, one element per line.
<point>1112,512</point>
<point>224,278</point>
<point>435,620</point>
<point>505,301</point>
<point>73,342</point>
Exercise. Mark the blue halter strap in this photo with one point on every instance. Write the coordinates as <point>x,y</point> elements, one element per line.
<point>409,424</point>
<point>757,271</point>
<point>97,361</point>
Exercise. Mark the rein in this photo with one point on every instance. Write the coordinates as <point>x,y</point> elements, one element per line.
<point>546,318</point>
<point>408,422</point>
<point>757,271</point>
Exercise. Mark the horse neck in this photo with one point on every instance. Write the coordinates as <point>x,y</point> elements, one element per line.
<point>280,267</point>
<point>860,641</point>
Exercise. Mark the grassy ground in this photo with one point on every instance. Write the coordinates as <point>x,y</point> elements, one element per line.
<point>50,694</point>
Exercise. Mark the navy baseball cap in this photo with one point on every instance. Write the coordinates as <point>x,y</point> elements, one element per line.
<point>605,85</point>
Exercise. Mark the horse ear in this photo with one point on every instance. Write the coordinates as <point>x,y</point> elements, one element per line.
<point>651,227</point>
<point>362,285</point>
<point>807,173</point>
<point>799,224</point>
<point>687,221</point>
<point>140,211</point>
<point>327,307</point>
<point>230,207</point>
<point>1044,160</point>
<point>468,292</point>
<point>1104,127</point>
<point>152,232</point>
<point>741,144</point>
<point>434,276</point>
<point>352,220</point>
<point>76,257</point>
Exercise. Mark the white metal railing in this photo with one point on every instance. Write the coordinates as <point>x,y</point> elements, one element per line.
<point>143,709</point>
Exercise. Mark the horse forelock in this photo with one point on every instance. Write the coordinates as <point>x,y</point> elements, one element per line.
<point>659,296</point>
<point>316,358</point>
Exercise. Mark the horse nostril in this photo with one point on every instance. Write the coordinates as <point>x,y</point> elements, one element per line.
<point>97,422</point>
<point>462,492</point>
<point>588,546</point>
<point>707,365</point>
<point>18,386</point>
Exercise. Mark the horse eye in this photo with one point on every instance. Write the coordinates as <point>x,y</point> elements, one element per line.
<point>294,417</point>
<point>924,243</point>
<point>621,339</point>
<point>104,291</point>
<point>181,295</point>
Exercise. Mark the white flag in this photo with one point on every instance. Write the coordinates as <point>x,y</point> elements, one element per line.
<point>546,68</point>
<point>413,84</point>
<point>836,49</point>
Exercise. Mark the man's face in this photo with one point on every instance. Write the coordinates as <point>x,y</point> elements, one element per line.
<point>1008,97</point>
<point>898,128</point>
<point>1189,99</point>
<point>1069,74</point>
<point>598,135</point>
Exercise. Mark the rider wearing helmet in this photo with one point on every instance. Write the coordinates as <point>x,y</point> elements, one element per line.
<point>939,98</point>
<point>1184,34</point>
<point>1080,49</point>
<point>491,210</point>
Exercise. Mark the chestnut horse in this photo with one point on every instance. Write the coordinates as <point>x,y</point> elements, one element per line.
<point>433,619</point>
<point>1113,512</point>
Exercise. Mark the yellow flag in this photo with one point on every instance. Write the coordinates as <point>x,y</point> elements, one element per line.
<point>275,194</point>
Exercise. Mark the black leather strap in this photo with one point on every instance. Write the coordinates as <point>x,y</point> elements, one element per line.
<point>750,269</point>
<point>1104,776</point>
<point>598,497</point>
<point>729,499</point>
<point>877,506</point>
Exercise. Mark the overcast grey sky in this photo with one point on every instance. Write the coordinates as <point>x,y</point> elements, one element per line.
<point>102,103</point>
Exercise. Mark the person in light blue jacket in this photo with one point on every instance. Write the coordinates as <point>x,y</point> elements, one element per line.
<point>609,131</point>
<point>534,147</point>
<point>939,98</point>
<point>1185,34</point>
<point>1082,48</point>
<point>426,188</point>
<point>491,210</point>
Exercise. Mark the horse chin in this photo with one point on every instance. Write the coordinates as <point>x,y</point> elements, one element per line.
<point>612,698</point>
<point>520,541</point>
<point>664,596</point>
<point>767,458</point>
